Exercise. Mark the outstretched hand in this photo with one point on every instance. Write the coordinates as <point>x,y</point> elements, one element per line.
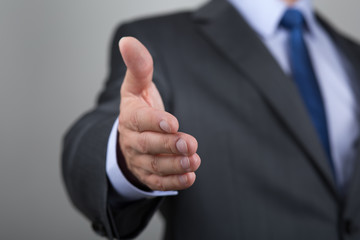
<point>155,152</point>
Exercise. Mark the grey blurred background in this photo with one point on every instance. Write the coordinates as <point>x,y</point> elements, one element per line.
<point>53,60</point>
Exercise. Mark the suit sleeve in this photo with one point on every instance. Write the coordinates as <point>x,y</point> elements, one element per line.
<point>84,156</point>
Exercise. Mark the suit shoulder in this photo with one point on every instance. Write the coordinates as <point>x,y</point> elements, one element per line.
<point>336,33</point>
<point>354,44</point>
<point>351,45</point>
<point>157,24</point>
<point>163,19</point>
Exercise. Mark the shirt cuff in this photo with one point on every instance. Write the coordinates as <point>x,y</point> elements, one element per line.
<point>122,186</point>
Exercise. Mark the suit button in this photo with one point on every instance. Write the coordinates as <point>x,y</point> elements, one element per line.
<point>349,227</point>
<point>99,229</point>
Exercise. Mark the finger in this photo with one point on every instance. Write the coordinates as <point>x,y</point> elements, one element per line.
<point>164,165</point>
<point>149,119</point>
<point>170,183</point>
<point>160,143</point>
<point>139,65</point>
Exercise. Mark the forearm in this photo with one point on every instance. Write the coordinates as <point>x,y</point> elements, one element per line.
<point>83,166</point>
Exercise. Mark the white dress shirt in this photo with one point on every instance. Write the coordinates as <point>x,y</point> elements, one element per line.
<point>329,65</point>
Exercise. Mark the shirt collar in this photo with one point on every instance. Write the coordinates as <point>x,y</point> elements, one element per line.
<point>264,15</point>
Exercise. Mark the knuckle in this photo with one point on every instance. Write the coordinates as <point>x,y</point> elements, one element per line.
<point>167,143</point>
<point>143,143</point>
<point>134,120</point>
<point>155,164</point>
<point>126,147</point>
<point>125,117</point>
<point>127,151</point>
<point>159,184</point>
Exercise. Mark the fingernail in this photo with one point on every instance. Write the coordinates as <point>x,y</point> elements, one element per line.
<point>183,179</point>
<point>185,163</point>
<point>165,126</point>
<point>181,146</point>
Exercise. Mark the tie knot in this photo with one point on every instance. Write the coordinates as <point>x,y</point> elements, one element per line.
<point>292,19</point>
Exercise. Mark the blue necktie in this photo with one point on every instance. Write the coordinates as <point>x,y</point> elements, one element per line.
<point>304,76</point>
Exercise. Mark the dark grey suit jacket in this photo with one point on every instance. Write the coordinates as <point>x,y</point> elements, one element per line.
<point>264,174</point>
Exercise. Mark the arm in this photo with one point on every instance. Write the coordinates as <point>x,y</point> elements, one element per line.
<point>84,162</point>
<point>84,165</point>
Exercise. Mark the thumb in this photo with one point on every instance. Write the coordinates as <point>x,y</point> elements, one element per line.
<point>139,65</point>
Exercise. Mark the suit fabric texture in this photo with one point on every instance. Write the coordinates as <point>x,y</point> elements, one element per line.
<point>264,173</point>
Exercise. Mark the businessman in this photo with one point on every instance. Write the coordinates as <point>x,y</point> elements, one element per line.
<point>265,92</point>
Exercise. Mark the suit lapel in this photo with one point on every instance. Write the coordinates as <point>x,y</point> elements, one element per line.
<point>353,193</point>
<point>228,32</point>
<point>351,57</point>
